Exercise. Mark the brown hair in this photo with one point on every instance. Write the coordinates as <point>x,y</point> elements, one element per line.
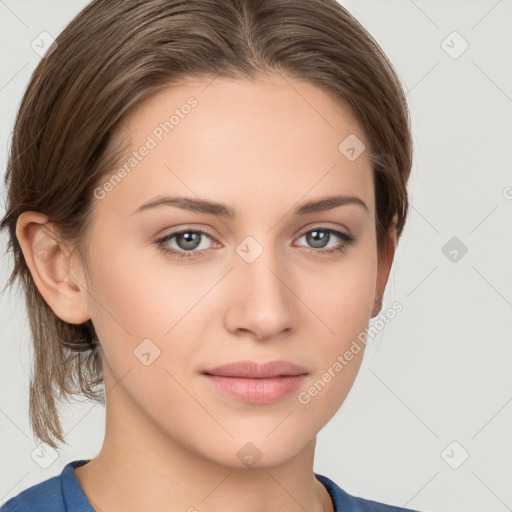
<point>116,53</point>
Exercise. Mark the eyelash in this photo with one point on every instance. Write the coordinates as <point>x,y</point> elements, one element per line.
<point>348,239</point>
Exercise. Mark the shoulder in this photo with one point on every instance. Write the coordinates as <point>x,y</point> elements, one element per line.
<point>347,503</point>
<point>51,495</point>
<point>46,495</point>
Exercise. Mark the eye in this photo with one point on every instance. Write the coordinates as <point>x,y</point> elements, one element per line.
<point>188,242</point>
<point>319,237</point>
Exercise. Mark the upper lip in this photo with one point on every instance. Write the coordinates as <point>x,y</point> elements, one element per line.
<point>255,370</point>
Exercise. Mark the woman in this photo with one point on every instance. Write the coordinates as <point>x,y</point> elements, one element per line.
<point>204,203</point>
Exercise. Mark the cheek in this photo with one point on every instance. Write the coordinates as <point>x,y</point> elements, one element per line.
<point>344,296</point>
<point>343,301</point>
<point>129,293</point>
<point>142,313</point>
<point>122,301</point>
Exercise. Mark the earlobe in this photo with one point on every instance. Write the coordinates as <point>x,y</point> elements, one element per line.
<point>377,306</point>
<point>49,263</point>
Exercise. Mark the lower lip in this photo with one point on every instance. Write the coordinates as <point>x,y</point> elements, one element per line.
<point>257,391</point>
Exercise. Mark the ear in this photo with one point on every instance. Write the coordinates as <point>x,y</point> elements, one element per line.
<point>49,263</point>
<point>384,267</point>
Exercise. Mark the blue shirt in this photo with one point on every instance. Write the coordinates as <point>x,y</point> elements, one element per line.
<point>63,493</point>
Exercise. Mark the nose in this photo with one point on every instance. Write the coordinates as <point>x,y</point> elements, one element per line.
<point>261,301</point>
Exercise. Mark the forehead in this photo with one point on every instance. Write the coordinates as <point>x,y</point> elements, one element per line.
<point>271,137</point>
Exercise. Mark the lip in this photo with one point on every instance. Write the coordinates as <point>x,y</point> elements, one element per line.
<point>257,383</point>
<point>255,370</point>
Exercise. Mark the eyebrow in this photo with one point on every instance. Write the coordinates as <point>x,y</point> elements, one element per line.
<point>223,210</point>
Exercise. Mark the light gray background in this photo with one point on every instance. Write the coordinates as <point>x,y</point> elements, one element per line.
<point>440,371</point>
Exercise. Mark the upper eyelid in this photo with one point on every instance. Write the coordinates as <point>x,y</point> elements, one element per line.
<point>318,225</point>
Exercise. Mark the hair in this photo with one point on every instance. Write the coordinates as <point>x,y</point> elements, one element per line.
<point>114,54</point>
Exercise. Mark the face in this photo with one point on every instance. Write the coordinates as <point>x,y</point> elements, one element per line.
<point>177,289</point>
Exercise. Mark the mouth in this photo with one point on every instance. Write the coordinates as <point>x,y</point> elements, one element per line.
<point>255,370</point>
<point>257,383</point>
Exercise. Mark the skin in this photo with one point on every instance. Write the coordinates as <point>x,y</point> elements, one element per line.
<point>262,147</point>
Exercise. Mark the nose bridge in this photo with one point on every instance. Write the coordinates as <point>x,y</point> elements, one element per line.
<point>262,298</point>
<point>260,262</point>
